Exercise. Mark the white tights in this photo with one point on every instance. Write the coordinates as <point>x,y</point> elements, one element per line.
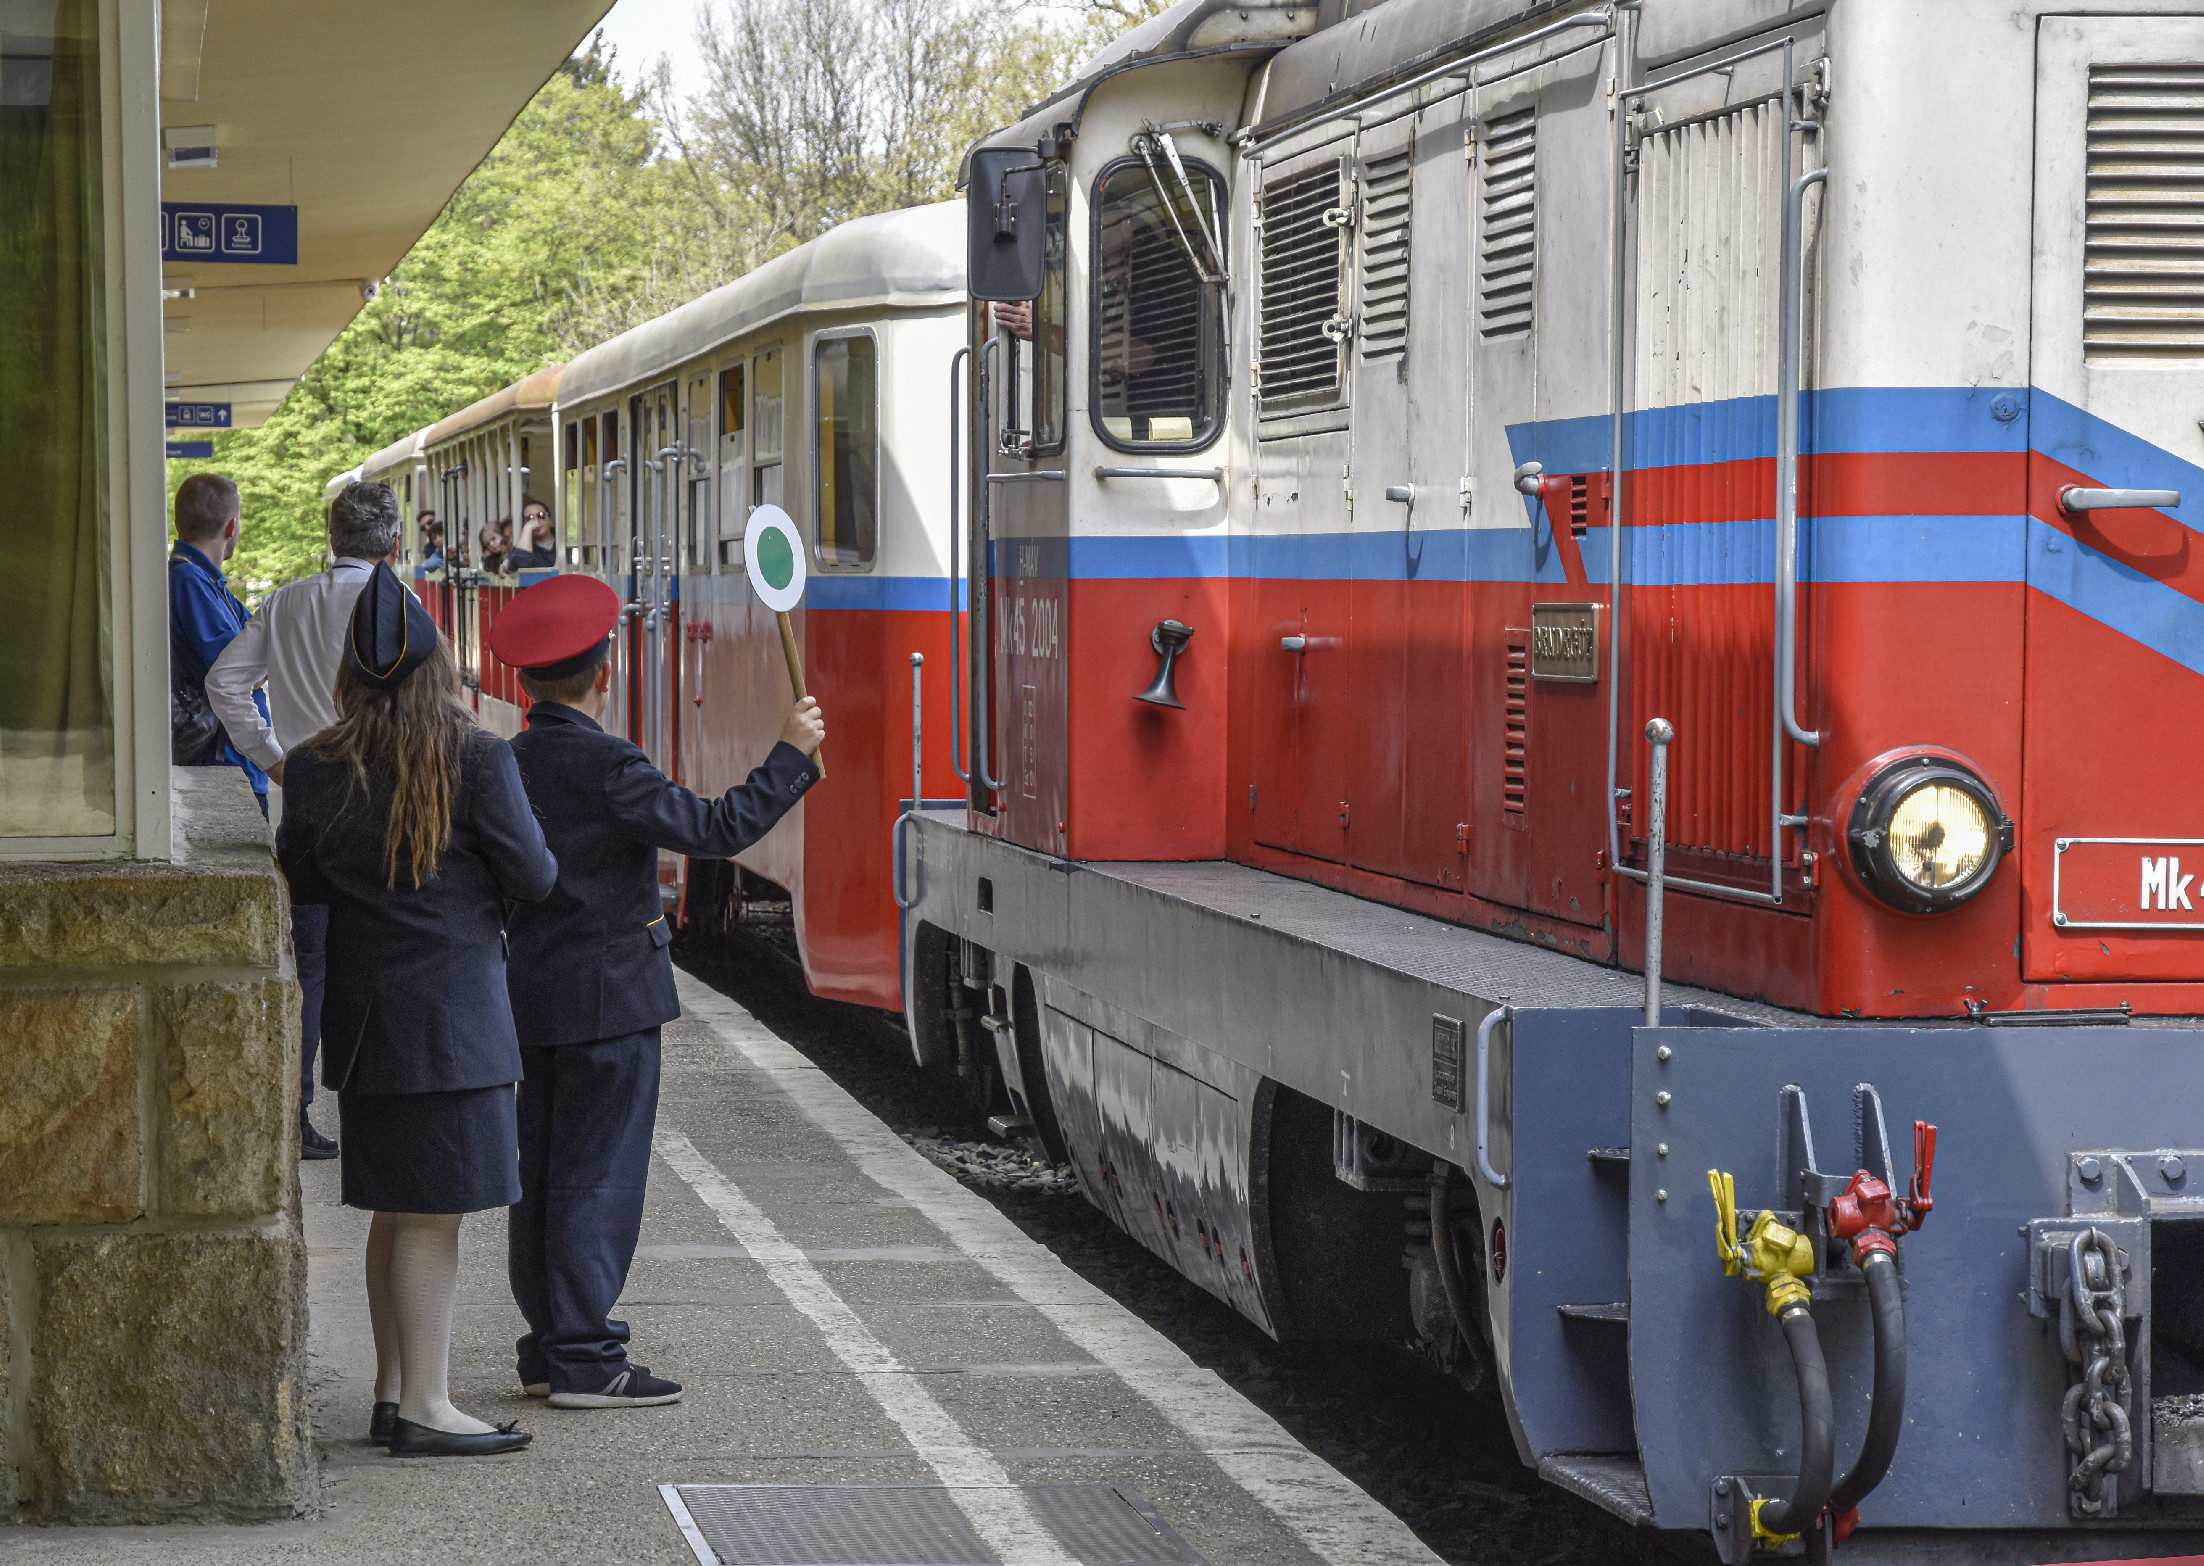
<point>412,1278</point>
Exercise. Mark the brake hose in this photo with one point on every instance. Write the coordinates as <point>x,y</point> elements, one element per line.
<point>1886,1415</point>
<point>1452,1283</point>
<point>1817,1453</point>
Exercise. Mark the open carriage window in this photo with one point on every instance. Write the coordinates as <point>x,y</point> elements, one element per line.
<point>1158,303</point>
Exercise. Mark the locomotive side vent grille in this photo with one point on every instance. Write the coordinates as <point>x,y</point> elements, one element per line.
<point>2143,260</point>
<point>1515,753</point>
<point>1300,342</point>
<point>1385,223</point>
<point>1580,505</point>
<point>1507,248</point>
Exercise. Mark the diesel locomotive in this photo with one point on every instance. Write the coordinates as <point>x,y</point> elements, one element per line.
<point>1556,692</point>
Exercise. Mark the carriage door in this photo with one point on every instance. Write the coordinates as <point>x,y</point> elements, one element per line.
<point>2112,813</point>
<point>1700,492</point>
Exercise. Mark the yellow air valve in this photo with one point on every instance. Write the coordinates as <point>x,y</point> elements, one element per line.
<point>1772,1252</point>
<point>1764,1536</point>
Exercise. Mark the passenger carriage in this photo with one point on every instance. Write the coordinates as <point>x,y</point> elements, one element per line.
<point>473,469</point>
<point>818,383</point>
<point>1412,413</point>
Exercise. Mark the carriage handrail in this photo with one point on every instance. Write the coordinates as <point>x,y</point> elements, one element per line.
<point>1786,474</point>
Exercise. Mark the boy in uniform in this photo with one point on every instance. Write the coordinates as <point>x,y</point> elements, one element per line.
<point>592,981</point>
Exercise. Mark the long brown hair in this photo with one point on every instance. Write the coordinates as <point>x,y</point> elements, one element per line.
<point>414,738</point>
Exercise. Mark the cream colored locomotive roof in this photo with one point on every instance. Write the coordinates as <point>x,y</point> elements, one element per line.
<point>894,260</point>
<point>1388,42</point>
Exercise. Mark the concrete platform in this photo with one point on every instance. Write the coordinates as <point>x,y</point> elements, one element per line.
<point>842,1313</point>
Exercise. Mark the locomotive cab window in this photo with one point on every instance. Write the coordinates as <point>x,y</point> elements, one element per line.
<point>1036,329</point>
<point>846,454</point>
<point>1158,305</point>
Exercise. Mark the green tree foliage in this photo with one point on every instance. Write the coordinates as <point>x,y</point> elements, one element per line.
<point>604,206</point>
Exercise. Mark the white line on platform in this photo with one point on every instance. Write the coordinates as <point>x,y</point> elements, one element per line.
<point>998,1510</point>
<point>1326,1510</point>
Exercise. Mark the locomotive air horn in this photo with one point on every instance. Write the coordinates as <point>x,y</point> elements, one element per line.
<point>1169,639</point>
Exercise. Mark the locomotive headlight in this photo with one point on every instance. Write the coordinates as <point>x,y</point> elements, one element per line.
<point>1927,835</point>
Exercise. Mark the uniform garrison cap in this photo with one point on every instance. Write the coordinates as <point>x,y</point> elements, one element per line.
<point>557,627</point>
<point>392,634</point>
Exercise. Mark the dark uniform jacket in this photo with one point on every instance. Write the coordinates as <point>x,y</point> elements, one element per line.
<point>416,998</point>
<point>590,960</point>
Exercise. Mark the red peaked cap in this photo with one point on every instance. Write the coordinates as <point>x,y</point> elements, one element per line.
<point>562,621</point>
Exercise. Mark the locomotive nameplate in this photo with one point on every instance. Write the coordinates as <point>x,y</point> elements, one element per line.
<point>1565,643</point>
<point>2127,883</point>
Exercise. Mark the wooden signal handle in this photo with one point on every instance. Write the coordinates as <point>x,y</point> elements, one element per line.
<point>795,657</point>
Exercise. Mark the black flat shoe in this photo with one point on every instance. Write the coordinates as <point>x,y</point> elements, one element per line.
<point>311,1143</point>
<point>380,1423</point>
<point>408,1439</point>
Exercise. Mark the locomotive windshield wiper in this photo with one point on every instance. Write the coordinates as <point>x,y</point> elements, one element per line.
<point>1146,145</point>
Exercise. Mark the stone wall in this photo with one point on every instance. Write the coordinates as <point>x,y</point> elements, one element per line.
<point>152,1269</point>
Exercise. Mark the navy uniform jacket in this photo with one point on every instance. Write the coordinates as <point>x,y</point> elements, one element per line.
<point>590,961</point>
<point>416,993</point>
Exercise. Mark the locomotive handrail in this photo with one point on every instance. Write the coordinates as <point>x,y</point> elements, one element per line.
<point>1258,137</point>
<point>1618,425</point>
<point>983,562</point>
<point>1214,475</point>
<point>898,838</point>
<point>958,738</point>
<point>1485,1028</point>
<point>1042,475</point>
<point>2075,498</point>
<point>1786,474</point>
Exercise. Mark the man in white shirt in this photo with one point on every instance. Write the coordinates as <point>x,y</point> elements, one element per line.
<point>294,646</point>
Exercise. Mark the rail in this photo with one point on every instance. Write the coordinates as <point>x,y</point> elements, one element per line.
<point>1485,1029</point>
<point>1213,475</point>
<point>958,738</point>
<point>1254,140</point>
<point>899,835</point>
<point>1788,356</point>
<point>983,646</point>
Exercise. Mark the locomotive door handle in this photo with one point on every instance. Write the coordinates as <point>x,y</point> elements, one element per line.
<point>2074,498</point>
<point>1405,494</point>
<point>1293,644</point>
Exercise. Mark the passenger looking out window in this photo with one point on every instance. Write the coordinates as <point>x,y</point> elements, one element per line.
<point>536,548</point>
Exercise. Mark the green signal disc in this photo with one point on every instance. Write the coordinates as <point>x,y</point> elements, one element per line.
<point>773,553</point>
<point>776,561</point>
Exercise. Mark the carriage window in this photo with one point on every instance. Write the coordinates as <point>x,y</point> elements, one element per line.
<point>846,455</point>
<point>697,477</point>
<point>1158,305</point>
<point>1036,330</point>
<point>765,429</point>
<point>570,496</point>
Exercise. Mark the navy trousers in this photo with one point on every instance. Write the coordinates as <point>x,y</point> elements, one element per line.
<point>586,1115</point>
<point>310,941</point>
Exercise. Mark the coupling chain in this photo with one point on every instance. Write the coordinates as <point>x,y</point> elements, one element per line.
<point>2093,1334</point>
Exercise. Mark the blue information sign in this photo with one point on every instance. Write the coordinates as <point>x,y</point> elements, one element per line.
<point>211,231</point>
<point>191,448</point>
<point>198,415</point>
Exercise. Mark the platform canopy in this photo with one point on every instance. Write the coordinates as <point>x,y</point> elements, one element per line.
<point>364,119</point>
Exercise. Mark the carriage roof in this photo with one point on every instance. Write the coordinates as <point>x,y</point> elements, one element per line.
<point>893,260</point>
<point>530,394</point>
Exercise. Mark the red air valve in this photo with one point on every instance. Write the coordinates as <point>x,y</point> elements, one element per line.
<point>1870,1217</point>
<point>1866,1214</point>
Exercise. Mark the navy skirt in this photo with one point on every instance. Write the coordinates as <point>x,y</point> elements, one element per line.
<point>430,1152</point>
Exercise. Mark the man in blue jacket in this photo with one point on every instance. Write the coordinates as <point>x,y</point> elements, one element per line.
<point>204,616</point>
<point>591,982</point>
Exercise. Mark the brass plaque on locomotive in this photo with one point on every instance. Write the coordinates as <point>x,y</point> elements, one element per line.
<point>1565,643</point>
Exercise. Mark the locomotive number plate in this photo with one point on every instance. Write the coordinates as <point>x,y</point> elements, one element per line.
<point>1565,643</point>
<point>2127,883</point>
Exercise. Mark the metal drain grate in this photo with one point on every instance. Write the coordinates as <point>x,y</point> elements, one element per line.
<point>908,1525</point>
